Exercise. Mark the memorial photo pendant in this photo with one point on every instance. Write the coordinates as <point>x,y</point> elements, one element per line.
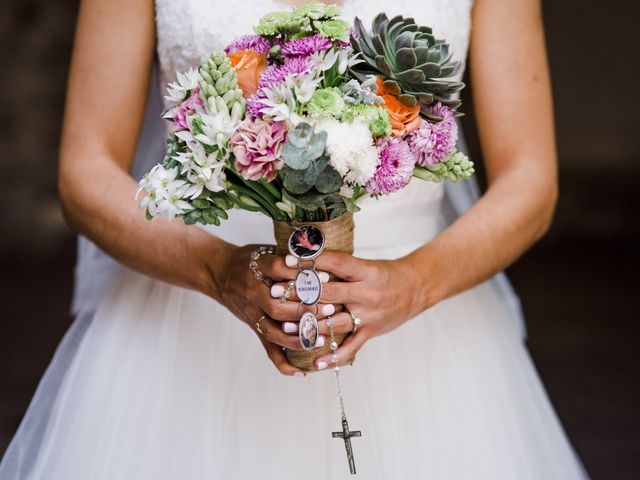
<point>308,286</point>
<point>306,242</point>
<point>308,330</point>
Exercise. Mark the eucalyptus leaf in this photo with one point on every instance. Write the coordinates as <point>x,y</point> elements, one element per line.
<point>315,148</point>
<point>294,157</point>
<point>294,182</point>
<point>301,135</point>
<point>308,201</point>
<point>329,180</point>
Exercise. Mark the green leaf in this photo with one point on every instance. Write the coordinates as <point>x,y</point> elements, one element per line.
<point>309,201</point>
<point>210,217</point>
<point>315,148</point>
<point>329,180</point>
<point>301,135</point>
<point>200,203</point>
<point>294,182</point>
<point>220,213</point>
<point>294,157</point>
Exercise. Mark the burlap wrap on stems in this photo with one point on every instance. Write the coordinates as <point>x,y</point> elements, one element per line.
<point>338,235</point>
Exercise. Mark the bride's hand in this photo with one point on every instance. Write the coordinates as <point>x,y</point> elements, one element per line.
<point>382,293</point>
<point>249,299</point>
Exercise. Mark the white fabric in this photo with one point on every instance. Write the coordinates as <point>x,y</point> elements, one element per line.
<point>164,383</point>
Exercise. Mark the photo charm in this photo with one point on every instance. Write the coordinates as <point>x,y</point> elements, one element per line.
<point>308,330</point>
<point>306,242</point>
<point>308,286</point>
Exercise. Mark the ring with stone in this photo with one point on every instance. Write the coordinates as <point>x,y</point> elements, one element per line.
<point>356,322</point>
<point>291,284</point>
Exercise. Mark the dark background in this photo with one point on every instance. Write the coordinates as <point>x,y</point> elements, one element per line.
<point>577,285</point>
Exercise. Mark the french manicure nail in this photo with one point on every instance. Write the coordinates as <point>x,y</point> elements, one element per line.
<point>328,309</point>
<point>320,341</point>
<point>299,374</point>
<point>277,291</point>
<point>322,365</point>
<point>324,277</point>
<point>290,327</point>
<point>290,261</point>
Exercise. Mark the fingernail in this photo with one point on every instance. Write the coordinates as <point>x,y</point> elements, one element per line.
<point>290,327</point>
<point>328,309</point>
<point>324,277</point>
<point>277,291</point>
<point>322,365</point>
<point>290,261</point>
<point>299,374</point>
<point>319,341</point>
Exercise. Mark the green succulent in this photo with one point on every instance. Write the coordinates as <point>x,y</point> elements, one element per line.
<point>219,85</point>
<point>412,63</point>
<point>455,167</point>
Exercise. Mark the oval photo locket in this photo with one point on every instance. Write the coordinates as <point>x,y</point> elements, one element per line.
<point>308,286</point>
<point>308,330</point>
<point>306,242</point>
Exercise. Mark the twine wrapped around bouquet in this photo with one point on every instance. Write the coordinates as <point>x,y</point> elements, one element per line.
<point>338,235</point>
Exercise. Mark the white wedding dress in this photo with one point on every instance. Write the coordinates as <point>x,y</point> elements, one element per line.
<point>164,383</point>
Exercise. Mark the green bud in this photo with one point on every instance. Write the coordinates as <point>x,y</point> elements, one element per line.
<point>205,75</point>
<point>211,91</point>
<point>211,103</point>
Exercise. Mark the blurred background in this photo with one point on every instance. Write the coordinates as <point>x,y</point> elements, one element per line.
<point>577,286</point>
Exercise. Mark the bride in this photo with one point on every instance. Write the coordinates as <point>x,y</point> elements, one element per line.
<point>163,375</point>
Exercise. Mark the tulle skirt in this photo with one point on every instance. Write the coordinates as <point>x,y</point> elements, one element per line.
<point>164,383</point>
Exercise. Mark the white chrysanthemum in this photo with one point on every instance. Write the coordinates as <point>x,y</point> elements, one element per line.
<point>186,81</point>
<point>350,148</point>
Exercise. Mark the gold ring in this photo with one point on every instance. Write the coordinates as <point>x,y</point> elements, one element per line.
<point>258,324</point>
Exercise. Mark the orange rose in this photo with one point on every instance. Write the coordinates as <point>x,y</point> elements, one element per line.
<point>404,119</point>
<point>249,65</point>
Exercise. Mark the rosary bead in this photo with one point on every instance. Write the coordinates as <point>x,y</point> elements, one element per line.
<point>334,346</point>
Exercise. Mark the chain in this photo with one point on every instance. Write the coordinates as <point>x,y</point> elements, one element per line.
<point>253,263</point>
<point>336,367</point>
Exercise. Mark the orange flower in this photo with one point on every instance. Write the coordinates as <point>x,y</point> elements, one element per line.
<point>404,119</point>
<point>249,65</point>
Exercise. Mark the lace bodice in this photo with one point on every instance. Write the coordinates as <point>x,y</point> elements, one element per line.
<point>190,29</point>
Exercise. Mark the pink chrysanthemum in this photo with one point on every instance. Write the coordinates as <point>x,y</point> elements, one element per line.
<point>186,109</point>
<point>255,105</point>
<point>432,142</point>
<point>246,42</point>
<point>257,146</point>
<point>306,46</point>
<point>279,73</point>
<point>394,168</point>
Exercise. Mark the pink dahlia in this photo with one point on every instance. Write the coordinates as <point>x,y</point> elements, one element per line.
<point>257,145</point>
<point>306,46</point>
<point>186,109</point>
<point>395,167</point>
<point>432,142</point>
<point>246,42</point>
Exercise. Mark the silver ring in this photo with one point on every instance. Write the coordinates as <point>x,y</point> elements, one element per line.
<point>291,284</point>
<point>356,322</point>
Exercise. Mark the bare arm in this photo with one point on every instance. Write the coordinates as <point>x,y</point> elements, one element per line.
<point>512,94</point>
<point>107,92</point>
<point>514,113</point>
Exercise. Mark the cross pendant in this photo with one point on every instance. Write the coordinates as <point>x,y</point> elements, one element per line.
<point>346,435</point>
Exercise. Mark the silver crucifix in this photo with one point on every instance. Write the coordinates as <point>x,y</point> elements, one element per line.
<point>346,435</point>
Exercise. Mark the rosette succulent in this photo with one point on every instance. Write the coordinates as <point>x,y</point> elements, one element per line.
<point>412,63</point>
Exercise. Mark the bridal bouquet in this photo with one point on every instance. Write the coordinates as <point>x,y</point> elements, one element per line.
<point>306,117</point>
<point>302,120</point>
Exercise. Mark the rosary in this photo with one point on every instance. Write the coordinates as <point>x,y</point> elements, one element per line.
<point>306,243</point>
